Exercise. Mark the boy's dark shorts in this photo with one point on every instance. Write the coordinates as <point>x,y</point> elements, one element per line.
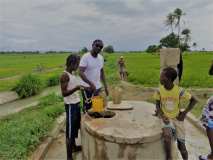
<point>73,120</point>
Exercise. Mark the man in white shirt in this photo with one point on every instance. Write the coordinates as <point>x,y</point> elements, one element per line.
<point>92,72</point>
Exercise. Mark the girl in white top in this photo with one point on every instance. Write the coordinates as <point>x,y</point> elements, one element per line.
<point>69,88</point>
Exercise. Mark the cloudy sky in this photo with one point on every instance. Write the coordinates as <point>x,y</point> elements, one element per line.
<point>72,24</point>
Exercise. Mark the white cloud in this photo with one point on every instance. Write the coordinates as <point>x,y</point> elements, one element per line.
<point>72,24</point>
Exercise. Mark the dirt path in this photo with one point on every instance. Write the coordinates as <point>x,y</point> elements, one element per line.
<point>18,105</point>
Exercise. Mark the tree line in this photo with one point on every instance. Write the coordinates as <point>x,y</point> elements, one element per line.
<point>178,37</point>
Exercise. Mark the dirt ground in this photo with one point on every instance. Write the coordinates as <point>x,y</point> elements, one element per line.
<point>134,92</point>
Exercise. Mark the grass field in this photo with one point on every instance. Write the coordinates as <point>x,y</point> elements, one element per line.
<point>13,66</point>
<point>19,64</point>
<point>143,68</point>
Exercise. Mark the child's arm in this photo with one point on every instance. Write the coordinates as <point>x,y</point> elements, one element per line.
<point>157,111</point>
<point>182,114</point>
<point>156,96</point>
<point>64,82</point>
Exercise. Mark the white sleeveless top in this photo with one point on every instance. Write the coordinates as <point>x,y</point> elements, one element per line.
<point>73,82</point>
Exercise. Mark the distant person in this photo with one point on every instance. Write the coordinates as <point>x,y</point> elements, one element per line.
<point>168,98</point>
<point>69,88</point>
<point>122,68</point>
<point>92,73</point>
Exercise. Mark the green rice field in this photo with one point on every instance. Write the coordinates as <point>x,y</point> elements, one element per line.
<point>143,68</point>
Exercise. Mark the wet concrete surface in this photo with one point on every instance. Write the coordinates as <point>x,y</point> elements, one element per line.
<point>196,143</point>
<point>57,150</point>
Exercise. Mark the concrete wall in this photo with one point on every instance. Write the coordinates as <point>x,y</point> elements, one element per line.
<point>169,57</point>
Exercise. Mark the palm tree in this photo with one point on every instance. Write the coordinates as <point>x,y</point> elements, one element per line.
<point>194,45</point>
<point>186,32</point>
<point>178,13</point>
<point>170,19</point>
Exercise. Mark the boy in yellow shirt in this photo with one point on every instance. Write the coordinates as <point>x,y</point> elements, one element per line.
<point>168,98</point>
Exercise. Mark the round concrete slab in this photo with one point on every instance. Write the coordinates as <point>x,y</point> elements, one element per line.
<point>128,126</point>
<point>130,134</point>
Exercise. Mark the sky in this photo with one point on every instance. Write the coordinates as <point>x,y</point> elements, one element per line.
<point>128,25</point>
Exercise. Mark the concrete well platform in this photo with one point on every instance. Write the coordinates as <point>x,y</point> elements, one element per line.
<point>130,135</point>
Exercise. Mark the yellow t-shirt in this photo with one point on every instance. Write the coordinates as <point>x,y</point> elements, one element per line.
<point>170,99</point>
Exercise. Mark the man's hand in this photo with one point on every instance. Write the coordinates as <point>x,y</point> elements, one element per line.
<point>181,116</point>
<point>92,87</point>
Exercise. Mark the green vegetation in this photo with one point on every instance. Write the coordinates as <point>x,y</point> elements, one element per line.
<point>83,50</point>
<point>177,38</point>
<point>21,133</point>
<point>28,85</point>
<point>53,80</point>
<point>20,64</point>
<point>153,49</point>
<point>8,84</point>
<point>143,68</point>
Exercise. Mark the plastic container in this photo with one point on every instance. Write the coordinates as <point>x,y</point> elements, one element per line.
<point>105,100</point>
<point>210,123</point>
<point>116,95</point>
<point>97,104</point>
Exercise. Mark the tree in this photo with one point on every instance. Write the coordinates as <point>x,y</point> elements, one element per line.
<point>170,19</point>
<point>84,50</point>
<point>186,32</point>
<point>184,45</point>
<point>170,41</point>
<point>108,49</point>
<point>178,13</point>
<point>194,45</point>
<point>152,49</point>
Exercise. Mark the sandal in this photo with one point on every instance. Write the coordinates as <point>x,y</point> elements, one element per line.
<point>204,158</point>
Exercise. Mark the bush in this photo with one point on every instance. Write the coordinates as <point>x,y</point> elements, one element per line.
<point>28,85</point>
<point>53,80</point>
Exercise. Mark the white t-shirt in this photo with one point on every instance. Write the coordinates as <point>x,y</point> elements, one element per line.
<point>93,68</point>
<point>73,82</point>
